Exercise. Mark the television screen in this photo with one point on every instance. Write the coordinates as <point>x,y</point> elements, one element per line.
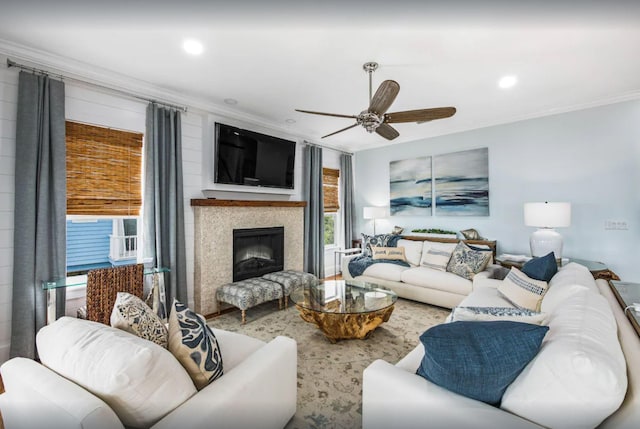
<point>245,157</point>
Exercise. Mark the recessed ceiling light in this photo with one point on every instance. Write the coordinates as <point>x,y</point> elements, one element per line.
<point>193,47</point>
<point>230,101</point>
<point>290,121</point>
<point>507,82</point>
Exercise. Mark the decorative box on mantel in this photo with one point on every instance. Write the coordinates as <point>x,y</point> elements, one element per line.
<point>215,221</point>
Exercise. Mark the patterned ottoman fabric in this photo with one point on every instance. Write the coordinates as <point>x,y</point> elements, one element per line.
<point>290,279</point>
<point>249,293</point>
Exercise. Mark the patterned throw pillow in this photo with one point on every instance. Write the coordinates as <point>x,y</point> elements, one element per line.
<point>523,291</point>
<point>131,314</point>
<point>470,314</point>
<point>391,253</point>
<point>437,257</point>
<point>195,346</point>
<point>467,262</point>
<point>380,240</point>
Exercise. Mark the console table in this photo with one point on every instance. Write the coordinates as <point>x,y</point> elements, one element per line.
<point>81,280</point>
<point>628,294</point>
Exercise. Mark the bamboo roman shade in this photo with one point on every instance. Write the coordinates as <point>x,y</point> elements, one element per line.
<point>104,171</point>
<point>330,180</point>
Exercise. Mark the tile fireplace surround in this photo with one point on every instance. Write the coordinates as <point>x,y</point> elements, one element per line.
<point>215,221</point>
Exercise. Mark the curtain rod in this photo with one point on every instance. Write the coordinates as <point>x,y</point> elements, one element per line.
<point>11,63</point>
<point>308,143</point>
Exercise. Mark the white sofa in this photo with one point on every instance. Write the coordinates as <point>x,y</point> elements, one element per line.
<point>577,379</point>
<point>417,282</point>
<point>258,387</point>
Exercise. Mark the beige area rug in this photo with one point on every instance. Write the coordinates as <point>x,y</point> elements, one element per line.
<point>330,375</point>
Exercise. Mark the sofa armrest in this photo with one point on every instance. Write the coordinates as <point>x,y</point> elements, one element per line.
<point>344,266</point>
<point>394,397</point>
<point>37,397</point>
<point>261,391</point>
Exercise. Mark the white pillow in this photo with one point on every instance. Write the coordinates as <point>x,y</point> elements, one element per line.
<point>557,293</point>
<point>484,314</point>
<point>579,376</point>
<point>522,291</point>
<point>573,273</point>
<point>140,380</point>
<point>412,251</point>
<point>436,256</point>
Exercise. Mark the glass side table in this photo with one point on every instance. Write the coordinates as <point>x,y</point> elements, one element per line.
<point>81,281</point>
<point>627,294</point>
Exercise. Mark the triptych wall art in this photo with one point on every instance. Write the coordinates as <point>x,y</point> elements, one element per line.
<point>456,184</point>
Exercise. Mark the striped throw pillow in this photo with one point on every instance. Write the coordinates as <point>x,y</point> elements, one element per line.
<point>523,291</point>
<point>437,257</point>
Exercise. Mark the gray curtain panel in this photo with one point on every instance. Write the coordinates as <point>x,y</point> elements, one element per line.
<point>347,203</point>
<point>314,212</point>
<point>164,202</point>
<point>39,244</point>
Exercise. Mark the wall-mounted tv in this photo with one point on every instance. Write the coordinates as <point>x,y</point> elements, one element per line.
<point>244,157</point>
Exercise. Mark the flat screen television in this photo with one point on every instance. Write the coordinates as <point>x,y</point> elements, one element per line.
<point>244,157</point>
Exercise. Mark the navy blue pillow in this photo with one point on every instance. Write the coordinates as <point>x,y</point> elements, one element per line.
<point>479,359</point>
<point>542,268</point>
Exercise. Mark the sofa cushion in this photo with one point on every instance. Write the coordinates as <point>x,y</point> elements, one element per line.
<point>380,240</point>
<point>522,291</point>
<point>478,359</point>
<point>434,279</point>
<point>574,273</point>
<point>580,370</point>
<point>194,345</point>
<point>485,297</point>
<point>140,380</point>
<point>412,251</point>
<point>470,314</point>
<point>131,314</point>
<point>467,262</point>
<point>542,268</point>
<point>385,271</point>
<point>437,256</point>
<point>391,253</point>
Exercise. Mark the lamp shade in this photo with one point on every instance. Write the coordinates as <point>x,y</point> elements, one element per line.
<point>547,215</point>
<point>374,212</point>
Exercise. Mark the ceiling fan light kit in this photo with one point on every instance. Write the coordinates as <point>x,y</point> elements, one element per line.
<point>375,119</point>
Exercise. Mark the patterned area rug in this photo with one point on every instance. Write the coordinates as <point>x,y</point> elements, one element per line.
<point>330,375</point>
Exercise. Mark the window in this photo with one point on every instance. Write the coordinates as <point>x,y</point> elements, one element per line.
<point>330,187</point>
<point>104,196</point>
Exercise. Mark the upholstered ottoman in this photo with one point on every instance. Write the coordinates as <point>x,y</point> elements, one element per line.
<point>290,280</point>
<point>249,293</point>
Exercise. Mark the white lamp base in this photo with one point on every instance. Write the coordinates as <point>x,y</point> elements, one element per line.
<point>546,240</point>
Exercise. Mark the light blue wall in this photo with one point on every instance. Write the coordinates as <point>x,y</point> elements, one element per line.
<point>590,158</point>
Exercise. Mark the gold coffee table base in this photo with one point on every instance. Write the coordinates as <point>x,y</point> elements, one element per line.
<point>340,326</point>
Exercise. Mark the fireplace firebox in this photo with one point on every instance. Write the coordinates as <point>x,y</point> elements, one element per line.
<point>257,251</point>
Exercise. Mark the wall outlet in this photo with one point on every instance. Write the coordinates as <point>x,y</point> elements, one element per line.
<point>616,224</point>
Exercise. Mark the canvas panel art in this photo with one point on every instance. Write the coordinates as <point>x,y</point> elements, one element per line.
<point>462,183</point>
<point>410,187</point>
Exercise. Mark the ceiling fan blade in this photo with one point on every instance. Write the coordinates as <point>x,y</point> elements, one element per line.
<point>387,131</point>
<point>339,131</point>
<point>384,96</point>
<point>420,115</point>
<point>337,115</point>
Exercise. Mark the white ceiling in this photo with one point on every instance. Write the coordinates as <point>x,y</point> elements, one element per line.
<point>276,56</point>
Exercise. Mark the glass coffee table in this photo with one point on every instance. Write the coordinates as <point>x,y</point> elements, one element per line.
<point>344,309</point>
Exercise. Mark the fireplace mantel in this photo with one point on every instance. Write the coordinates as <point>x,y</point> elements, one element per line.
<point>215,221</point>
<point>213,202</point>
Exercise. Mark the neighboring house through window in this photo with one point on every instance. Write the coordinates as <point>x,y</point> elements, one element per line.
<point>104,196</point>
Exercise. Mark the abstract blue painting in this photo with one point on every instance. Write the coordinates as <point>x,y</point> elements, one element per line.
<point>410,187</point>
<point>462,183</point>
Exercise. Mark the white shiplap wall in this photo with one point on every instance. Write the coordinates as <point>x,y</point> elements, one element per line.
<point>8,98</point>
<point>88,105</point>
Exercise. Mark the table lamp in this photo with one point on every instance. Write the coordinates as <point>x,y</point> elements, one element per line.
<point>546,216</point>
<point>374,213</point>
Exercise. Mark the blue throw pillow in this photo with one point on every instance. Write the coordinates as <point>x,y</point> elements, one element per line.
<point>479,359</point>
<point>542,268</point>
